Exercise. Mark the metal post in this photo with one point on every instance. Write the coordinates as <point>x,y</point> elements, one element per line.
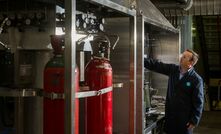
<point>70,61</point>
<point>132,92</point>
<point>140,75</point>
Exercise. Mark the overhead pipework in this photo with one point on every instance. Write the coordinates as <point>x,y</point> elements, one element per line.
<point>174,4</point>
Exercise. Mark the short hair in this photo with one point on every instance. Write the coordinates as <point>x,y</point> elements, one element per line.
<point>195,56</point>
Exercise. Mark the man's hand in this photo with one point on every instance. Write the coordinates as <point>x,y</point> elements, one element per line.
<point>190,125</point>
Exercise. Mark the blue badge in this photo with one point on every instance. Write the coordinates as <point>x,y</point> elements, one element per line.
<point>188,84</point>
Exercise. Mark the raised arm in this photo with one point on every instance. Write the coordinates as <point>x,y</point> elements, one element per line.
<point>157,66</point>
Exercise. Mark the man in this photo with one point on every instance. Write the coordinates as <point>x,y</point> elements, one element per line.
<point>184,101</point>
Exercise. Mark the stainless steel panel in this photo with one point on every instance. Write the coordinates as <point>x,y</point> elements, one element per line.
<point>33,109</point>
<point>28,38</point>
<point>29,110</point>
<point>33,115</point>
<point>120,61</point>
<point>166,49</point>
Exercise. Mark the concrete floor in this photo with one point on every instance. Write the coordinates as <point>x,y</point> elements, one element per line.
<point>210,123</point>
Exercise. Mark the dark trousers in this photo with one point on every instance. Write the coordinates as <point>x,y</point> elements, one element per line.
<point>174,127</point>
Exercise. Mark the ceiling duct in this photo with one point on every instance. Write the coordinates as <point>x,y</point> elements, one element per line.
<point>173,4</point>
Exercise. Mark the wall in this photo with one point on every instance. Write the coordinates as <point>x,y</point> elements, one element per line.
<point>120,61</point>
<point>165,48</point>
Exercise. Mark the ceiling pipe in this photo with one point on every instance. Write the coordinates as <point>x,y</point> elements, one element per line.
<point>174,4</point>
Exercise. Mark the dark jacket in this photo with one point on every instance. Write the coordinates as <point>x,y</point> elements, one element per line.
<point>184,100</point>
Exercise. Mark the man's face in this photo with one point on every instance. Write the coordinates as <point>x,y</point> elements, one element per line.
<point>185,60</point>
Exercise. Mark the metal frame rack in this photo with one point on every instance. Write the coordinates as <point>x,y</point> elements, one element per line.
<point>138,18</point>
<point>70,51</point>
<point>147,14</point>
<point>109,9</point>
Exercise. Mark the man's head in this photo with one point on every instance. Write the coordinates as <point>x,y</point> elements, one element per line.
<point>188,59</point>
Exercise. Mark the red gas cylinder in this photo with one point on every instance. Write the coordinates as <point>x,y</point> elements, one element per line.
<point>98,75</point>
<point>54,90</point>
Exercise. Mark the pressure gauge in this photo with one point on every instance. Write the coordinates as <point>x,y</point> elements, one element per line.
<point>39,15</point>
<point>8,22</point>
<point>27,21</point>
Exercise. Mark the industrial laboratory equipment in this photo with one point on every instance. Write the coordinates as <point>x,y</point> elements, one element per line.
<point>28,28</point>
